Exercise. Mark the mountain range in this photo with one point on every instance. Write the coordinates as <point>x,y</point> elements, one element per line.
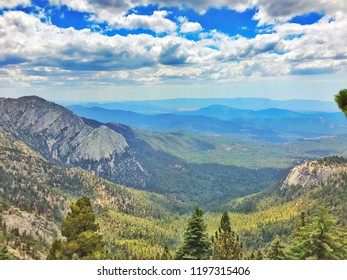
<point>188,104</point>
<point>143,184</point>
<point>121,154</point>
<point>270,125</point>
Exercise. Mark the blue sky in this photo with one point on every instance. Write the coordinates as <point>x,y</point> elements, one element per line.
<point>84,50</point>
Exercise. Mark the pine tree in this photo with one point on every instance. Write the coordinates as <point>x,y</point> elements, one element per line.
<point>79,228</point>
<point>276,251</point>
<point>226,246</point>
<point>196,245</point>
<point>4,254</point>
<point>166,254</point>
<point>259,255</point>
<point>302,219</point>
<point>320,240</point>
<point>341,100</point>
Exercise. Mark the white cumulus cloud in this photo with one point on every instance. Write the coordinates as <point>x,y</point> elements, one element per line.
<point>115,13</point>
<point>156,22</point>
<point>272,11</point>
<point>32,51</point>
<point>14,3</point>
<point>189,27</point>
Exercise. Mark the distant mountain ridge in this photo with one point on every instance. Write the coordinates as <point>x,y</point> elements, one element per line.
<point>229,113</point>
<point>270,125</point>
<point>200,124</point>
<point>187,104</point>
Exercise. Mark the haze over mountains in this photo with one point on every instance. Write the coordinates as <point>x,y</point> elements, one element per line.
<point>188,104</point>
<point>269,125</point>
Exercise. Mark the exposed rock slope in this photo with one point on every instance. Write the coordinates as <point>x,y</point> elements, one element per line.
<point>61,136</point>
<point>313,174</point>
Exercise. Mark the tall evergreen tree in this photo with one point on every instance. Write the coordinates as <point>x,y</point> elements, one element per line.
<point>226,245</point>
<point>196,245</point>
<point>276,251</point>
<point>80,230</point>
<point>320,240</point>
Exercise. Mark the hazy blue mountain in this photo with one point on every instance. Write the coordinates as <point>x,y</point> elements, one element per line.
<point>188,104</point>
<point>271,125</point>
<point>169,122</point>
<point>228,113</point>
<point>308,124</point>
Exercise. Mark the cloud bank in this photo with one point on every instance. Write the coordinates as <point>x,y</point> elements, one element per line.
<point>37,52</point>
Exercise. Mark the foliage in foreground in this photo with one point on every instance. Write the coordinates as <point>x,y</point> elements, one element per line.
<point>319,240</point>
<point>80,230</point>
<point>4,254</point>
<point>226,244</point>
<point>277,250</point>
<point>341,100</point>
<point>196,245</point>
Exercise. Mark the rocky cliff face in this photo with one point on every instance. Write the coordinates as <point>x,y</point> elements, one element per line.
<point>312,174</point>
<point>61,136</point>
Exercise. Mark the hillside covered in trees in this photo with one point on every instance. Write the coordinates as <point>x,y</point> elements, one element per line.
<point>37,197</point>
